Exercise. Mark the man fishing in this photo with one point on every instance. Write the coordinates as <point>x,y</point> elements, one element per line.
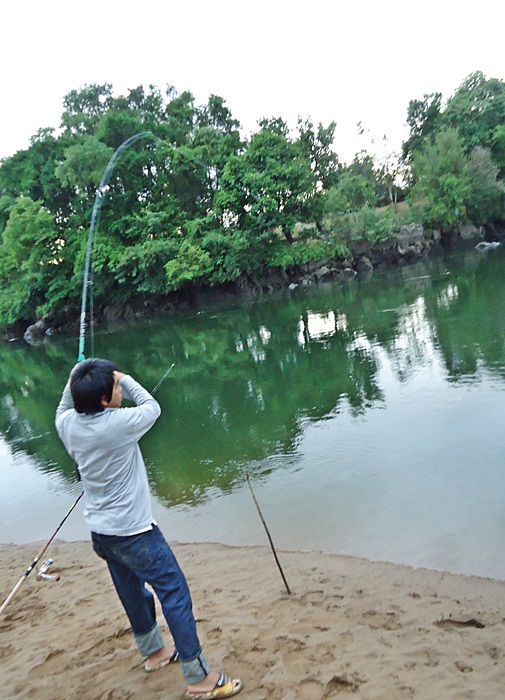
<point>103,438</point>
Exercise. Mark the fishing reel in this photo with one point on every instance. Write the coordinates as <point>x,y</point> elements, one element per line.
<point>43,568</point>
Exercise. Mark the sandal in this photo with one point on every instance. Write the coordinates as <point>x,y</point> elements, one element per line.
<point>162,664</point>
<point>224,688</point>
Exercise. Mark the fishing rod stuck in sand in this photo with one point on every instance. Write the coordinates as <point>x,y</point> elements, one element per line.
<point>267,531</point>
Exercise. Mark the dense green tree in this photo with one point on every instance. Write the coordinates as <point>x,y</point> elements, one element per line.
<point>317,145</point>
<point>180,117</point>
<point>363,164</point>
<point>216,139</point>
<point>30,252</point>
<point>217,115</point>
<point>31,173</point>
<point>453,187</point>
<point>117,125</point>
<point>351,193</point>
<point>7,201</point>
<point>476,109</point>
<point>268,188</point>
<point>84,107</point>
<point>369,180</point>
<point>498,149</point>
<point>442,188</point>
<point>149,106</point>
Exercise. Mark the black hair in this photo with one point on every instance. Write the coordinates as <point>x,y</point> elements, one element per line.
<point>90,381</point>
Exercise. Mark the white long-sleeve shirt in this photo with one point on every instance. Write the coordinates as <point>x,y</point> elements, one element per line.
<point>105,447</point>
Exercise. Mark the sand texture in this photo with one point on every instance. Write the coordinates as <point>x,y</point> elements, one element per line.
<point>350,629</point>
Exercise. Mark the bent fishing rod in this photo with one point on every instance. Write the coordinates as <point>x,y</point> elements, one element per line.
<point>95,217</point>
<point>87,282</point>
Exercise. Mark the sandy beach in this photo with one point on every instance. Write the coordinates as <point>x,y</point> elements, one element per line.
<point>350,628</point>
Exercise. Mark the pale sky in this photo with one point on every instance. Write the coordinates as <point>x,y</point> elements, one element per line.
<point>347,62</point>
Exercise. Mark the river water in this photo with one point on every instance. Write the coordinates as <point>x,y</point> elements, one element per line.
<point>368,416</point>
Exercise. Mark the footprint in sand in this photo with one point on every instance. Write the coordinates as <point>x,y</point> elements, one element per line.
<point>215,633</point>
<point>463,667</point>
<point>51,666</point>
<point>117,694</point>
<point>342,684</point>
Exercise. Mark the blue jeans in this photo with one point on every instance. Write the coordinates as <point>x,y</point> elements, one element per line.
<point>136,560</point>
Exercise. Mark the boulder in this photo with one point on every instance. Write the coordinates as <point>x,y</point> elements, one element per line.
<point>347,274</point>
<point>411,239</point>
<point>364,264</point>
<point>469,232</point>
<point>35,331</point>
<point>323,273</point>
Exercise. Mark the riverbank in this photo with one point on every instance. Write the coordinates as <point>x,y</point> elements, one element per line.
<point>412,244</point>
<point>350,628</point>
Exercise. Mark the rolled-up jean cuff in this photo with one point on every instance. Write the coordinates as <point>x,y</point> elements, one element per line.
<point>195,670</point>
<point>150,642</point>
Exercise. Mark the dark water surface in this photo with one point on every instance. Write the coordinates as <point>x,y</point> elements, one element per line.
<point>369,417</point>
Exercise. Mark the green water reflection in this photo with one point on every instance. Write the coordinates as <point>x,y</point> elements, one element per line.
<point>251,375</point>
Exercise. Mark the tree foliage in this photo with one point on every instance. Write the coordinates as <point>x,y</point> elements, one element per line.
<point>192,204</point>
<point>352,192</point>
<point>29,252</point>
<point>476,110</point>
<point>270,187</point>
<point>457,154</point>
<point>198,203</point>
<point>452,187</point>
